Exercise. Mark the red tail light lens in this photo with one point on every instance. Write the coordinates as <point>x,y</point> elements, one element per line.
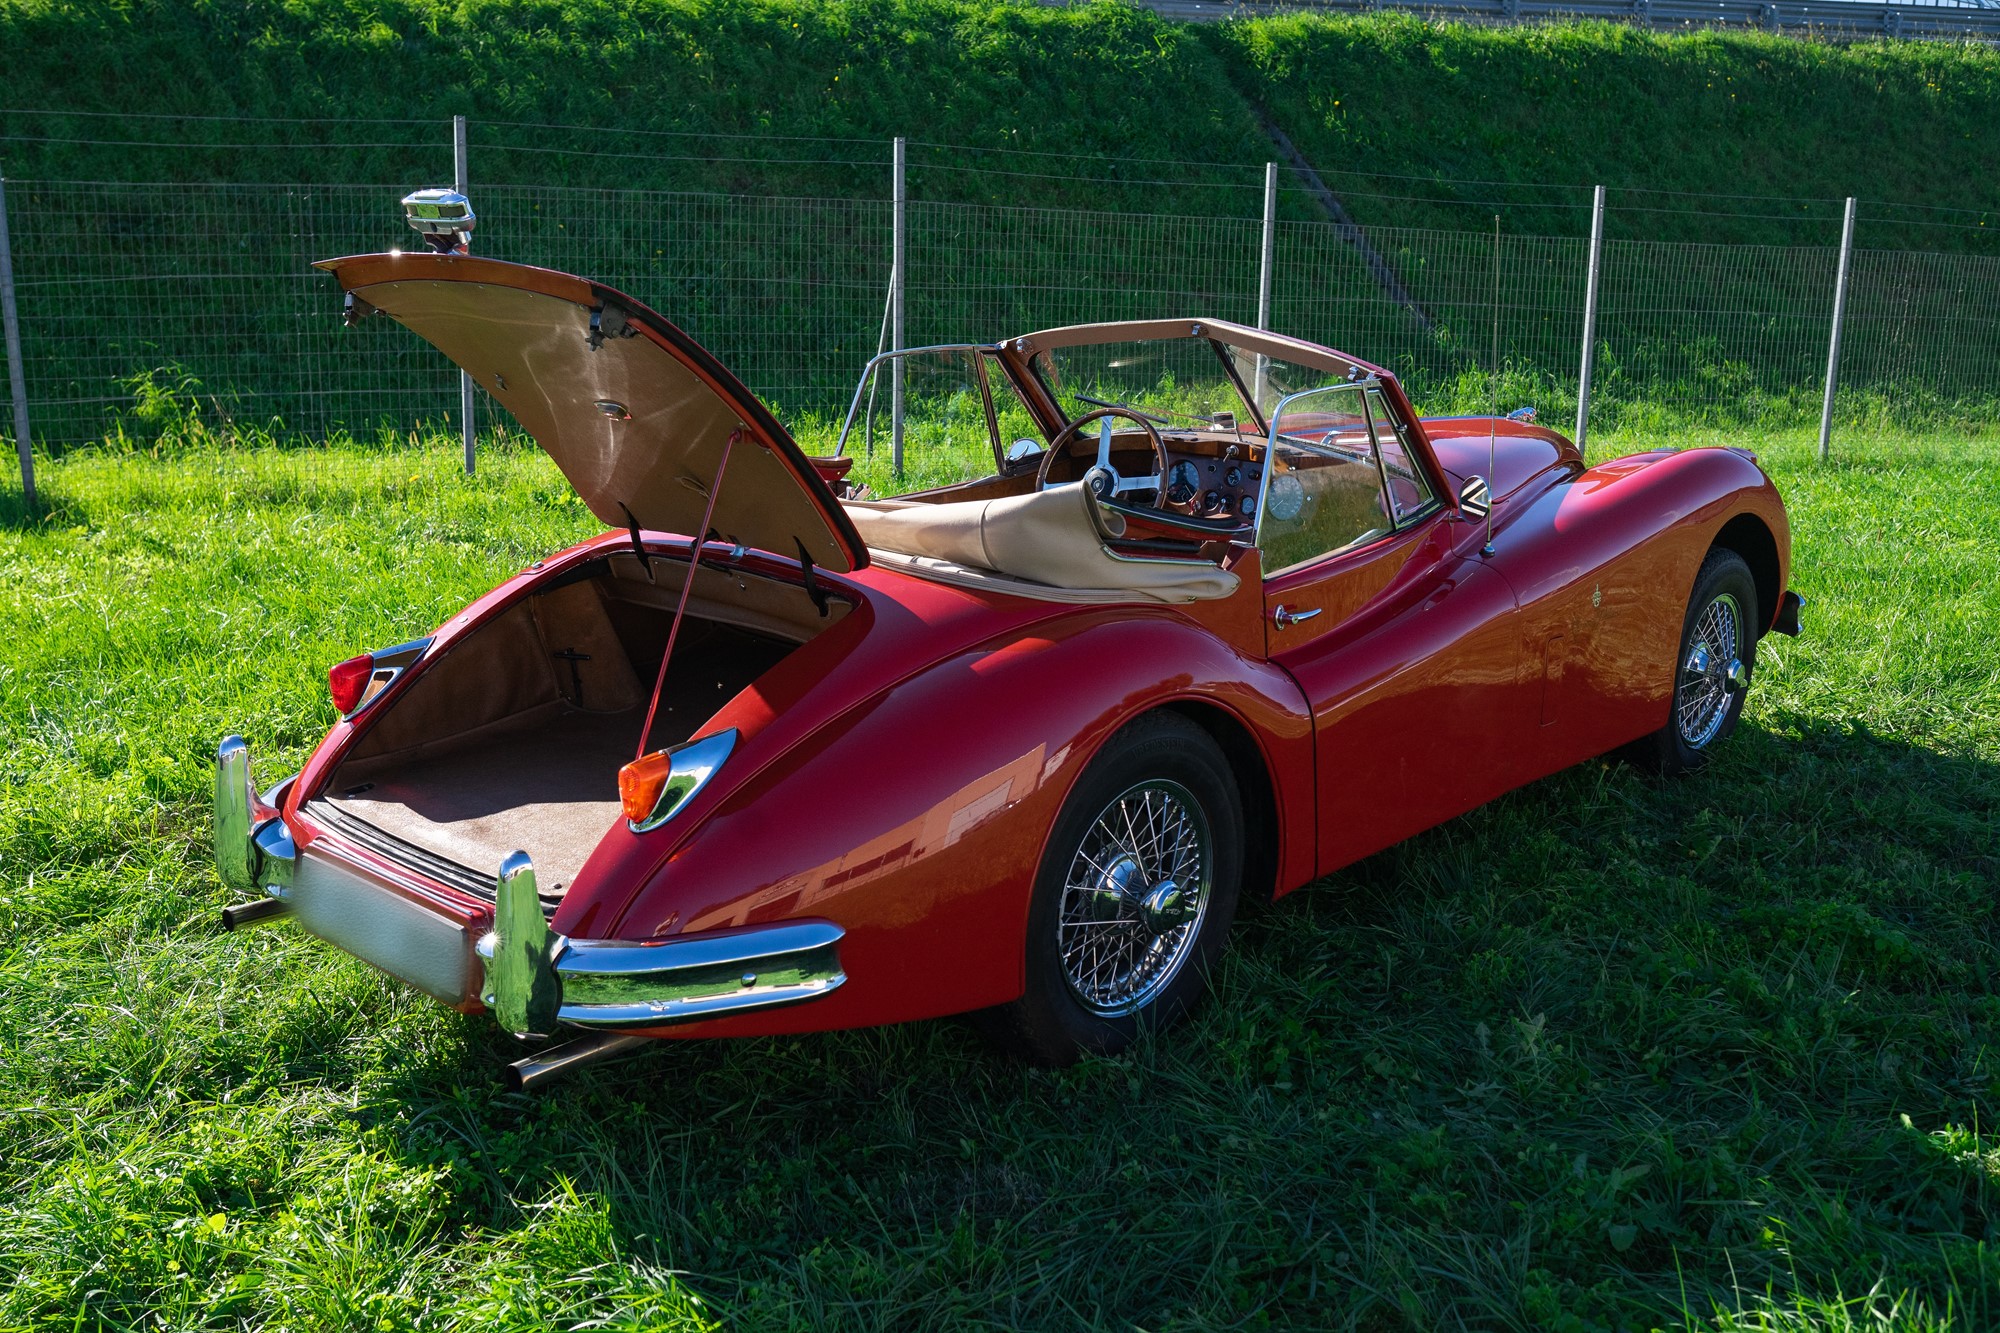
<point>348,681</point>
<point>641,782</point>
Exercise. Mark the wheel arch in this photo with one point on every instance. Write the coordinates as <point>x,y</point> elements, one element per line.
<point>1254,779</point>
<point>930,864</point>
<point>1747,535</point>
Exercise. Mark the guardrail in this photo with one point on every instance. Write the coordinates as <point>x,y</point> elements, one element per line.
<point>1832,18</point>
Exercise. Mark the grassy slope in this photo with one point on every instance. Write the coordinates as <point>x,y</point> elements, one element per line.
<point>1571,105</point>
<point>1099,79</point>
<point>1702,114</point>
<point>1707,114</point>
<point>1604,1043</point>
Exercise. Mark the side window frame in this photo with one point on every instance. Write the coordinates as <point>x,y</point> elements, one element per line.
<point>978,354</point>
<point>979,360</point>
<point>1374,399</point>
<point>1361,388</point>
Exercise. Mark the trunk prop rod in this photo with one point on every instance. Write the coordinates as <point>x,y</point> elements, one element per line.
<point>680,611</point>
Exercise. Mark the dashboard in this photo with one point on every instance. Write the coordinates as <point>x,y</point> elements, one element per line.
<point>1212,478</point>
<point>1202,485</point>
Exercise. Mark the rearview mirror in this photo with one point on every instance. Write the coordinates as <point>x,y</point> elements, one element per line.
<point>1474,499</point>
<point>1022,450</point>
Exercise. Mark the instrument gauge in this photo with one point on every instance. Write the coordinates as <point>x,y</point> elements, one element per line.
<point>1183,480</point>
<point>1285,498</point>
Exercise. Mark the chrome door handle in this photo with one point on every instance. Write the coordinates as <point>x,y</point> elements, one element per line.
<point>1284,617</point>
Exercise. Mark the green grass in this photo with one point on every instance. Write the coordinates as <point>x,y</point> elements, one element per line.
<point>1716,1053</point>
<point>819,88</point>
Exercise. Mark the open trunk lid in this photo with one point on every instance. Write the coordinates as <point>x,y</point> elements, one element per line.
<point>633,410</point>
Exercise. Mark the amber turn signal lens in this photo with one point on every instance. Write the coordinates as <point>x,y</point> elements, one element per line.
<point>641,782</point>
<point>348,681</point>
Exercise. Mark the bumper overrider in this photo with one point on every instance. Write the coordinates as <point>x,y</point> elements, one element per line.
<point>534,980</point>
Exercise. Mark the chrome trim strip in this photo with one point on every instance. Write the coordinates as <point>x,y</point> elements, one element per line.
<point>614,984</point>
<point>694,763</point>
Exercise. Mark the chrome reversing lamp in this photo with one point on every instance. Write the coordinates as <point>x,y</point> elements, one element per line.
<point>443,218</point>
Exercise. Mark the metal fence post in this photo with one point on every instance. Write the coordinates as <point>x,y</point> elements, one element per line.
<point>1839,318</point>
<point>467,399</point>
<point>1590,317</point>
<point>1264,267</point>
<point>1270,245</point>
<point>899,247</point>
<point>17,379</point>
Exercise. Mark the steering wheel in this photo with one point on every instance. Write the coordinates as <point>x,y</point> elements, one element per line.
<point>1103,478</point>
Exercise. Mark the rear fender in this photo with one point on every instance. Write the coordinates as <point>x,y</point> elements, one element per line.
<point>916,820</point>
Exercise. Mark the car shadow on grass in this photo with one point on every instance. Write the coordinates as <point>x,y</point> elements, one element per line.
<point>1610,1044</point>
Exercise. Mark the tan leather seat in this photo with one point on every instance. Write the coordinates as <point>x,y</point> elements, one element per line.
<point>1042,543</point>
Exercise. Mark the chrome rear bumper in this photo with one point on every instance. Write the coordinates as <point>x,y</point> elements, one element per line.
<point>533,980</point>
<point>536,979</point>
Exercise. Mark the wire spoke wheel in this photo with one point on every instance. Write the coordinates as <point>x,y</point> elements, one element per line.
<point>1134,898</point>
<point>1710,671</point>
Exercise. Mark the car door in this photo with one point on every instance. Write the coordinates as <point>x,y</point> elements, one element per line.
<point>1405,642</point>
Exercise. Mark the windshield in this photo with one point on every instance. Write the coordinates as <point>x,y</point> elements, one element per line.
<point>1198,382</point>
<point>1272,379</point>
<point>1182,381</point>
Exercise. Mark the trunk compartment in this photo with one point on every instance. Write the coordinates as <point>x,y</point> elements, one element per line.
<point>512,739</point>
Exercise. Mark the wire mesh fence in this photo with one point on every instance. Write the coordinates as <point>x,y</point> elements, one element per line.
<point>137,300</point>
<point>1922,336</point>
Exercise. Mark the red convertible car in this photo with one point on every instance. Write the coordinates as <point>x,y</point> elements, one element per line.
<point>1066,647</point>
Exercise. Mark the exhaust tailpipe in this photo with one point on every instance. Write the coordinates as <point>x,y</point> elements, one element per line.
<point>237,916</point>
<point>524,1075</point>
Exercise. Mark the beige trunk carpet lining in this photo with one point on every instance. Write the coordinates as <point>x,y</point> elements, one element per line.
<point>545,784</point>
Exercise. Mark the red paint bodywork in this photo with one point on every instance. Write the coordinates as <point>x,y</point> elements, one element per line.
<point>899,774</point>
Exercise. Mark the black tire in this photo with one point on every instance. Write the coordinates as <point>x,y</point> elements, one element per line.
<point>1706,704</point>
<point>1160,763</point>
